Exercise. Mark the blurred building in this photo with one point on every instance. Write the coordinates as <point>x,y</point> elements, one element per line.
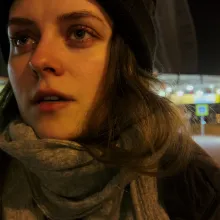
<point>191,90</point>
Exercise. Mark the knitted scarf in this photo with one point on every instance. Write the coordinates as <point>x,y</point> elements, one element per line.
<point>67,183</point>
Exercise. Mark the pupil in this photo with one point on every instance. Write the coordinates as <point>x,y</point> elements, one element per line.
<point>22,41</point>
<point>80,34</point>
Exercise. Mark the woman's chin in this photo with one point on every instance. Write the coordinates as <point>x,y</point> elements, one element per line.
<point>57,134</point>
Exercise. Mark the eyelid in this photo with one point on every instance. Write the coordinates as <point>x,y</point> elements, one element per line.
<point>90,30</point>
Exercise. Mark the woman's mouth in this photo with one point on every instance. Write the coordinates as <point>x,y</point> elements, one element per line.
<point>51,100</point>
<point>52,105</point>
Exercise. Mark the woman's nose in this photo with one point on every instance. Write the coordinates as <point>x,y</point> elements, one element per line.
<point>46,60</point>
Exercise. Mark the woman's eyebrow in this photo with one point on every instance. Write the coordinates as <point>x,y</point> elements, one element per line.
<point>75,15</point>
<point>20,21</point>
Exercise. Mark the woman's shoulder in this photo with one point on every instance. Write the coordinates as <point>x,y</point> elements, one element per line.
<point>193,193</point>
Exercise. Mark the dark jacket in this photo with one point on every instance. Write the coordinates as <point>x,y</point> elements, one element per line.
<point>192,194</point>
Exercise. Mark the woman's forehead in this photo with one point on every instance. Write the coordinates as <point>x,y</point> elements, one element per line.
<point>51,9</point>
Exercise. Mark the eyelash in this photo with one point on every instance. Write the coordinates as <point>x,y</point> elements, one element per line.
<point>82,27</point>
<point>21,36</point>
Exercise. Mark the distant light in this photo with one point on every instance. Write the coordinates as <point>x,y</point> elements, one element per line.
<point>162,93</point>
<point>199,92</point>
<point>218,91</point>
<point>169,89</point>
<point>180,93</point>
<point>189,88</point>
<point>211,86</point>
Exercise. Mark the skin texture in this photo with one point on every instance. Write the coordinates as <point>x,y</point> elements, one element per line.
<point>67,55</point>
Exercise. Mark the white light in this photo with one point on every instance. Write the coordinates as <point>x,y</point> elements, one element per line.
<point>211,86</point>
<point>199,92</point>
<point>180,93</point>
<point>189,88</point>
<point>162,93</point>
<point>169,89</point>
<point>218,91</point>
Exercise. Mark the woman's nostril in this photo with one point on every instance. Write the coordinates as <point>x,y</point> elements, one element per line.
<point>49,69</point>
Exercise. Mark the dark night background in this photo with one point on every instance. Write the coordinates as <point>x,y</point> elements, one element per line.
<point>206,15</point>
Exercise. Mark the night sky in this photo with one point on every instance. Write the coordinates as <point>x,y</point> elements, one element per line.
<point>206,15</point>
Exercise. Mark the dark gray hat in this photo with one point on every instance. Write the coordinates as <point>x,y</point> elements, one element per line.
<point>132,19</point>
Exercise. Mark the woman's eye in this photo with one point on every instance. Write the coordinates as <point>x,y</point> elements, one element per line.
<point>22,41</point>
<point>22,44</point>
<point>81,36</point>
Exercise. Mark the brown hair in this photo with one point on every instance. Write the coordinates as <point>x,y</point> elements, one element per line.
<point>140,127</point>
<point>144,131</point>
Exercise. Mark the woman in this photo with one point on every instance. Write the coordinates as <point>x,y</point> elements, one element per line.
<point>84,134</point>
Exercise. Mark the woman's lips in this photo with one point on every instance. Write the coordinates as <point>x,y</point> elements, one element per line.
<point>51,100</point>
<point>52,106</point>
<point>41,95</point>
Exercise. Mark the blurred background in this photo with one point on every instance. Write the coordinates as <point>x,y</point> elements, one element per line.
<point>187,61</point>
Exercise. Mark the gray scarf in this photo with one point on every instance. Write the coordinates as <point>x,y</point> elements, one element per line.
<point>66,183</point>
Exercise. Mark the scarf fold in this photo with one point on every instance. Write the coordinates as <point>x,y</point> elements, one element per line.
<point>67,183</point>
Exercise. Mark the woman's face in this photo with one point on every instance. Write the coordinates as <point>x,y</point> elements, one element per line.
<point>59,54</point>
